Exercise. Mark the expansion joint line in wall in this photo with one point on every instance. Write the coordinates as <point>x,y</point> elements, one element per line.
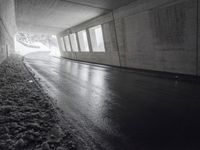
<point>75,56</point>
<point>5,28</point>
<point>116,39</point>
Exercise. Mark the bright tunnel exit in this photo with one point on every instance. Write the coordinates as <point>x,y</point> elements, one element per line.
<point>26,43</point>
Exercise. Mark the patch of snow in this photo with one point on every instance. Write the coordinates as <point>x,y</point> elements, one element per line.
<point>28,120</point>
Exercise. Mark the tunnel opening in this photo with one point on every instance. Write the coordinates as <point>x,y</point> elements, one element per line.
<point>26,43</point>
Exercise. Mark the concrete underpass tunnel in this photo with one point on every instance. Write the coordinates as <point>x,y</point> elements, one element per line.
<point>116,98</point>
<point>154,35</point>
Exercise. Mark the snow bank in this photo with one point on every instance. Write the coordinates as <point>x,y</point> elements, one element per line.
<point>28,121</point>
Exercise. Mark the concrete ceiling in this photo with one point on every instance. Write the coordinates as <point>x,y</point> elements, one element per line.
<point>53,16</point>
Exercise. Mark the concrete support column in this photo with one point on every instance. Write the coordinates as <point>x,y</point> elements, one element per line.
<point>78,43</point>
<point>64,44</point>
<point>89,40</point>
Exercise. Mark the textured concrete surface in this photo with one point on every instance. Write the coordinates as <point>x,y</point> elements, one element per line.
<point>158,35</point>
<point>119,109</point>
<point>110,57</point>
<point>7,15</point>
<point>53,16</point>
<point>7,28</point>
<point>3,51</point>
<point>153,35</point>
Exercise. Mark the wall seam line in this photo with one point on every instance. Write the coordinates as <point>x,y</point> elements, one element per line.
<point>117,43</point>
<point>5,27</point>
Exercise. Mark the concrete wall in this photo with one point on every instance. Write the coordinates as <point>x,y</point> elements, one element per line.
<point>158,35</point>
<point>109,57</point>
<point>7,28</point>
<point>6,43</point>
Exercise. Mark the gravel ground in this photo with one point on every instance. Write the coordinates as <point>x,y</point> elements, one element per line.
<point>28,119</point>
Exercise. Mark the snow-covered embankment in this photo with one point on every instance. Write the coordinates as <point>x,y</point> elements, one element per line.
<point>28,120</point>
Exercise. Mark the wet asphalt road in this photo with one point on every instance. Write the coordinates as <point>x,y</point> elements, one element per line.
<point>118,109</point>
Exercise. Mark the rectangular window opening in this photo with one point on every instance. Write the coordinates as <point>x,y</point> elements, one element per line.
<point>83,41</point>
<point>97,40</point>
